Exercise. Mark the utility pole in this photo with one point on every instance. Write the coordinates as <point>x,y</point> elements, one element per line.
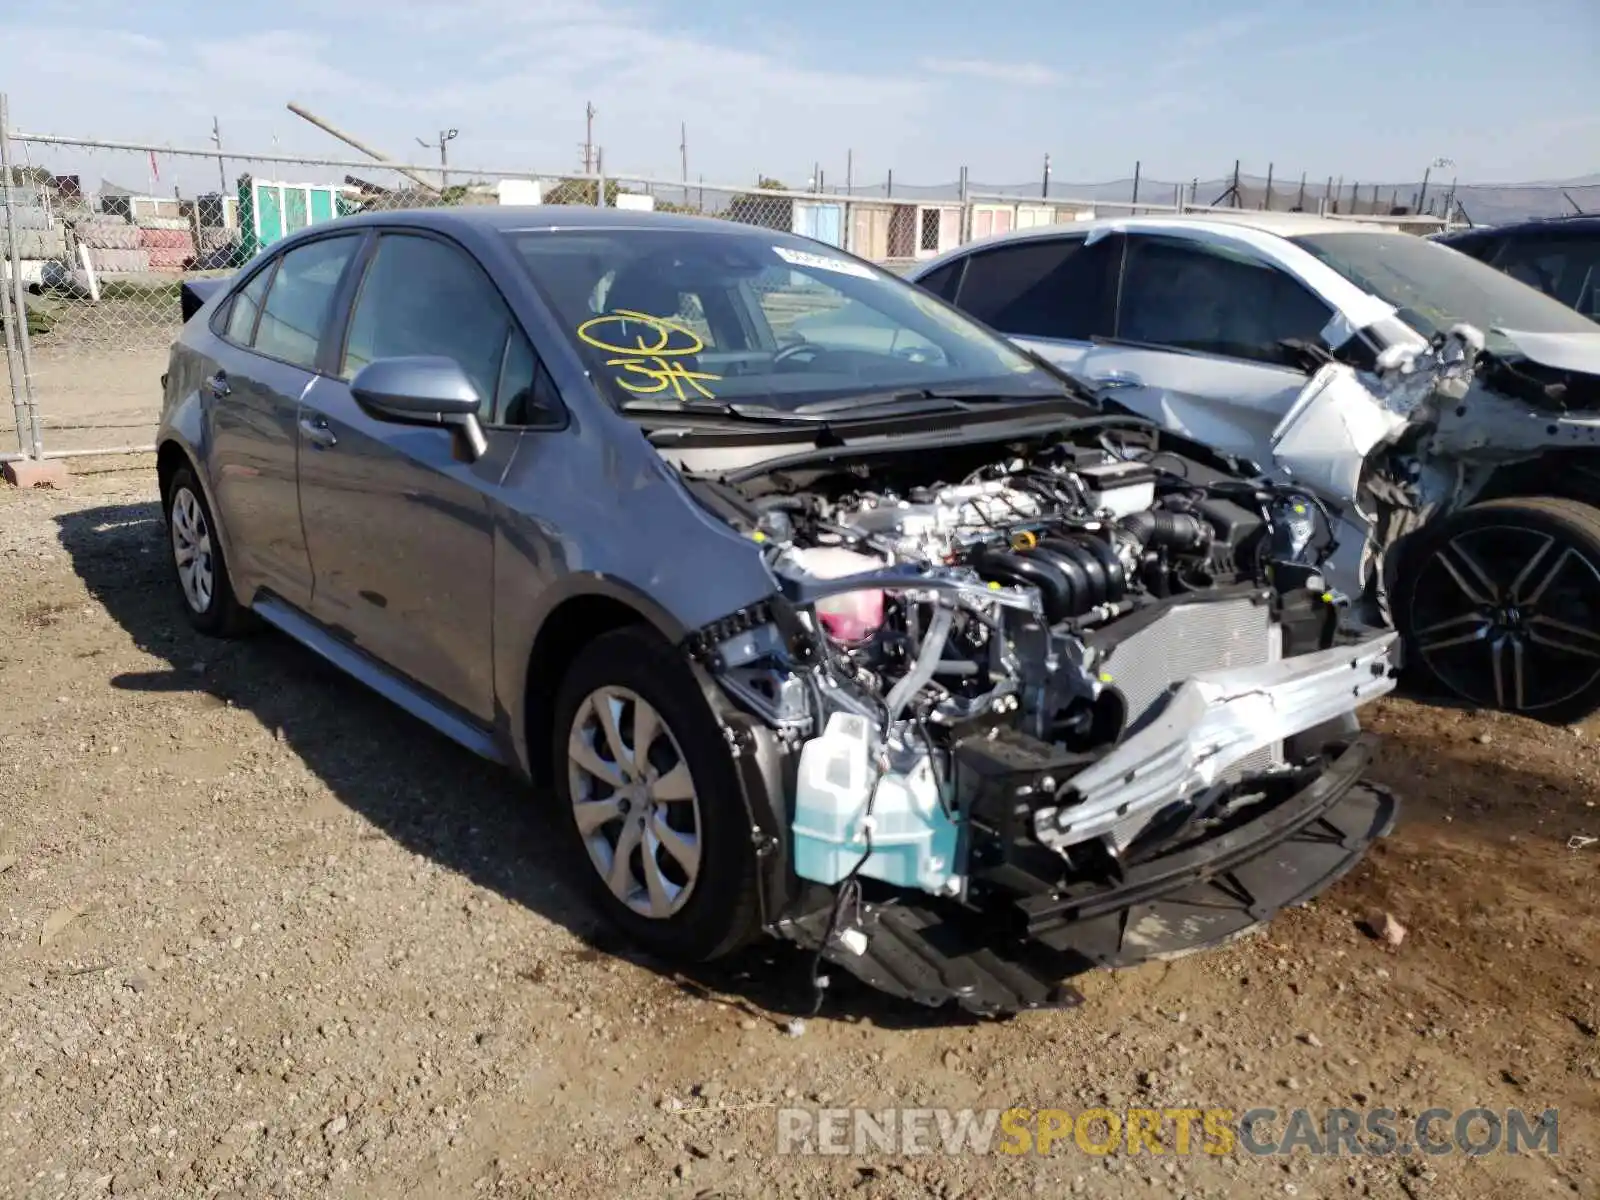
<point>446,136</point>
<point>1044,191</point>
<point>307,115</point>
<point>1422,196</point>
<point>683,155</point>
<point>222,171</point>
<point>588,138</point>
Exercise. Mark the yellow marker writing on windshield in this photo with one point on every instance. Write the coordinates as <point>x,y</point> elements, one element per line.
<point>653,364</point>
<point>665,374</point>
<point>651,335</point>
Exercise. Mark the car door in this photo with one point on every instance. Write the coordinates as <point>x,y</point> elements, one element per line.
<point>1199,343</point>
<point>1050,294</point>
<point>400,533</point>
<point>270,331</point>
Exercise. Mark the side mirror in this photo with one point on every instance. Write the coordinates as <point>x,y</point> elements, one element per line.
<point>423,390</point>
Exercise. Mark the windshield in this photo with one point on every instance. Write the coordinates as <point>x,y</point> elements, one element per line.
<point>1434,287</point>
<point>675,317</point>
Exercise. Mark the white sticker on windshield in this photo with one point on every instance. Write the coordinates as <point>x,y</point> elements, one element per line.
<point>801,258</point>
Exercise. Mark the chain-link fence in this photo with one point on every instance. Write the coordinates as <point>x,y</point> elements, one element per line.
<point>92,262</point>
<point>102,262</point>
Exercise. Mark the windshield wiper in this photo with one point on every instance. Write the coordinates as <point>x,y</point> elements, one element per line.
<point>928,399</point>
<point>692,409</point>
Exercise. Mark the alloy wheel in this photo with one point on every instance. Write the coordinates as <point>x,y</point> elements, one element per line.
<point>1508,617</point>
<point>634,802</point>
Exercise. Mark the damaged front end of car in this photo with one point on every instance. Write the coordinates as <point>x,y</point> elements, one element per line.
<point>1017,710</point>
<point>1434,428</point>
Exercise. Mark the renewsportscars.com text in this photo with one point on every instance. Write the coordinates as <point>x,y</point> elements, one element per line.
<point>1179,1131</point>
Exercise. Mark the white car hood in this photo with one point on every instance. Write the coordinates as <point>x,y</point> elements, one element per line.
<point>1563,351</point>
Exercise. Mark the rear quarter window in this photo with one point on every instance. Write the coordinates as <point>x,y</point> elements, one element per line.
<point>943,281</point>
<point>299,300</point>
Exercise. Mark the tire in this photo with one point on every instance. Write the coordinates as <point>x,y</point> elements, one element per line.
<point>695,913</point>
<point>205,591</point>
<point>1499,605</point>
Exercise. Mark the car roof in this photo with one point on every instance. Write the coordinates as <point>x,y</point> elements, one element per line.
<point>513,218</point>
<point>1279,224</point>
<point>1584,224</point>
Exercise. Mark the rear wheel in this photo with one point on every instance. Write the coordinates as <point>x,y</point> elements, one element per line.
<point>199,566</point>
<point>1500,605</point>
<point>649,797</point>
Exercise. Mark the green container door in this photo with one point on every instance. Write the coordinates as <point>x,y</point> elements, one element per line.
<point>269,213</point>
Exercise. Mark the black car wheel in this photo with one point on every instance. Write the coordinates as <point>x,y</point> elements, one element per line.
<point>649,797</point>
<point>1500,605</point>
<point>198,563</point>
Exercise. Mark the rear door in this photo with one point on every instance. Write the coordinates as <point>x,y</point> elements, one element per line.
<point>271,329</point>
<point>1199,341</point>
<point>1051,294</point>
<point>400,533</point>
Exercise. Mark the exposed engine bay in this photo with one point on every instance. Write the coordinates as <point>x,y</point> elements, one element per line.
<point>1000,669</point>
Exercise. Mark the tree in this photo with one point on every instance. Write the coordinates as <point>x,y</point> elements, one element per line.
<point>582,192</point>
<point>22,176</point>
<point>770,212</point>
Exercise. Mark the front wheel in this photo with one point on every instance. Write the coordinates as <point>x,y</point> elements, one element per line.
<point>1500,605</point>
<point>650,800</point>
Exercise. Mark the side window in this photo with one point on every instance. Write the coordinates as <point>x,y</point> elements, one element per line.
<point>245,307</point>
<point>1045,287</point>
<point>526,394</point>
<point>1214,300</point>
<point>300,298</point>
<point>423,296</point>
<point>942,283</point>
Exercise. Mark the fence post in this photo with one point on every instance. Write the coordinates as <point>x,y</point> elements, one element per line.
<point>13,351</point>
<point>22,397</point>
<point>966,208</point>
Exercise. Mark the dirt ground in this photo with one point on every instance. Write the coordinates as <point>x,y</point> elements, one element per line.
<point>263,935</point>
<point>91,398</point>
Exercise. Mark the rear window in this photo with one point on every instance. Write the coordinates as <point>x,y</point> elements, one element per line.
<point>1055,287</point>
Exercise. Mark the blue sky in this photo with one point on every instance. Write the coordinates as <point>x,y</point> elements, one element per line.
<point>1368,89</point>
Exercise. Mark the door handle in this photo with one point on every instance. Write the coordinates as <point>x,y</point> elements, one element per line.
<point>217,385</point>
<point>316,432</point>
<point>1117,380</point>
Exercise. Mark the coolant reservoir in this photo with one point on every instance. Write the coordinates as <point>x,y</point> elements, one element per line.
<point>913,840</point>
<point>853,616</point>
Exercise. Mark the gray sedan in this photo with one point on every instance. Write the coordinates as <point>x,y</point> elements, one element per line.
<point>824,612</point>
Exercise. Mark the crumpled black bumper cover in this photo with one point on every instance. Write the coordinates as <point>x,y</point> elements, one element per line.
<point>1196,899</point>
